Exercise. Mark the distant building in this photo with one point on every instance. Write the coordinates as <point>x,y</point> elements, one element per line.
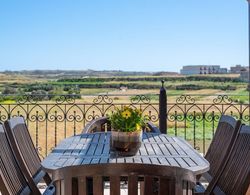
<point>238,69</point>
<point>223,71</point>
<point>202,69</point>
<point>244,75</point>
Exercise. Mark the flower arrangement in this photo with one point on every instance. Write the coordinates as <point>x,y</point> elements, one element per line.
<point>127,120</point>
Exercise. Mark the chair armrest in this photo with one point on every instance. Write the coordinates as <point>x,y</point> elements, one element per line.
<point>95,124</point>
<point>153,128</point>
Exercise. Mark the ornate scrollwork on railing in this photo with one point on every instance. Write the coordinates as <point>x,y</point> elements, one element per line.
<point>194,113</point>
<point>74,114</point>
<point>93,112</point>
<point>3,113</point>
<point>185,99</point>
<point>36,113</point>
<point>246,114</point>
<point>222,99</point>
<point>151,113</point>
<point>38,117</point>
<point>27,99</point>
<point>56,115</point>
<point>105,99</point>
<point>197,117</point>
<point>211,116</point>
<point>140,99</point>
<point>69,99</point>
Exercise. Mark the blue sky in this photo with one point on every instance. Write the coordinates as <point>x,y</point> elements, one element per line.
<point>131,35</point>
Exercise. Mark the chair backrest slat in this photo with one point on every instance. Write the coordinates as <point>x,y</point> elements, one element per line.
<point>12,179</point>
<point>18,130</point>
<point>235,176</point>
<point>24,149</point>
<point>221,144</point>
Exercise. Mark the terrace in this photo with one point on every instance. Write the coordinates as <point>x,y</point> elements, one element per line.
<point>197,137</point>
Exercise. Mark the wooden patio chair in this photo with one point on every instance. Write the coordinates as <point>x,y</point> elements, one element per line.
<point>157,179</point>
<point>24,150</point>
<point>12,180</point>
<point>102,124</point>
<point>234,176</point>
<point>219,149</point>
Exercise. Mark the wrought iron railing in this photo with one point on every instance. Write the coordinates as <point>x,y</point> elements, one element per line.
<point>53,120</point>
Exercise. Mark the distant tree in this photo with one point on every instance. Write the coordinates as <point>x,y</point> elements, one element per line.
<point>40,95</point>
<point>9,90</point>
<point>74,92</point>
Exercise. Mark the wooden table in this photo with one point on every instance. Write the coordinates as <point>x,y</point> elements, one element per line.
<point>94,148</point>
<point>156,149</point>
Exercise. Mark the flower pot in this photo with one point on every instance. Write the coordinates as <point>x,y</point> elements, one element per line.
<point>126,143</point>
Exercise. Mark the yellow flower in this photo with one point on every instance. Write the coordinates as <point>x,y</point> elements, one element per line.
<point>138,127</point>
<point>126,114</point>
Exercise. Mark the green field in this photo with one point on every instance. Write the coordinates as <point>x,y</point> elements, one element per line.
<point>201,87</point>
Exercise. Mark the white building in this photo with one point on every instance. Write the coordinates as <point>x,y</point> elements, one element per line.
<point>202,69</point>
<point>238,69</point>
<point>244,76</point>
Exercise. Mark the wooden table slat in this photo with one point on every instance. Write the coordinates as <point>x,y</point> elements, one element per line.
<point>91,149</point>
<point>146,160</point>
<point>149,149</point>
<point>104,160</point>
<point>96,138</point>
<point>164,148</point>
<point>172,149</point>
<point>86,161</point>
<point>143,150</point>
<point>182,163</point>
<point>69,162</point>
<point>157,149</point>
<point>106,149</point>
<point>137,160</point>
<point>120,160</point>
<point>95,160</point>
<point>173,162</point>
<point>163,161</point>
<point>99,149</point>
<point>189,161</point>
<point>155,161</point>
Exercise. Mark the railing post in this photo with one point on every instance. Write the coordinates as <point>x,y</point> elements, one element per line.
<point>163,109</point>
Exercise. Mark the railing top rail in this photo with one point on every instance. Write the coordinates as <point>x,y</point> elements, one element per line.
<point>127,95</point>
